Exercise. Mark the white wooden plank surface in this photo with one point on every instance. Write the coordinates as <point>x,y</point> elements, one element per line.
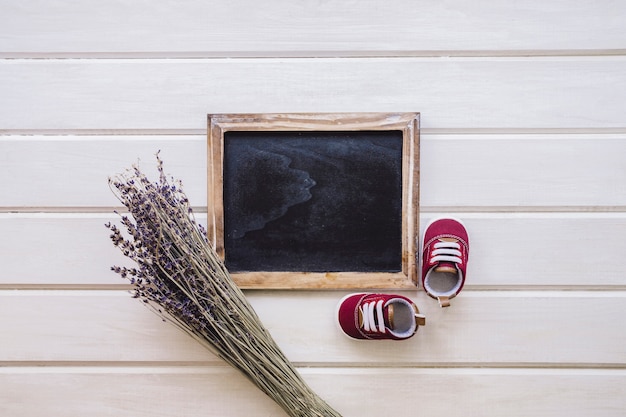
<point>535,91</point>
<point>457,170</point>
<point>482,328</point>
<point>282,27</point>
<point>518,93</point>
<point>576,249</point>
<point>76,168</point>
<point>98,392</point>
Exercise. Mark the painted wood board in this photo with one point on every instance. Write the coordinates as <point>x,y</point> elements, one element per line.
<point>511,93</point>
<point>494,328</point>
<point>196,28</point>
<point>165,391</point>
<point>485,171</point>
<point>72,250</point>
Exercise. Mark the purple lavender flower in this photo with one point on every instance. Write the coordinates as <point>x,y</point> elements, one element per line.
<point>182,279</point>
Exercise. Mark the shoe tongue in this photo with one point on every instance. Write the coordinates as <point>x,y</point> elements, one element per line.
<point>388,315</point>
<point>446,267</point>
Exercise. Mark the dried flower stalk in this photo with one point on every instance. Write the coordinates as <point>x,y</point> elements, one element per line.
<point>180,277</point>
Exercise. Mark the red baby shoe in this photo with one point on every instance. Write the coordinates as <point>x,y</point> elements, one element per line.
<point>445,251</point>
<point>378,316</point>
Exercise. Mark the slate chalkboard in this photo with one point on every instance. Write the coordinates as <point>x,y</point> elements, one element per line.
<point>313,201</point>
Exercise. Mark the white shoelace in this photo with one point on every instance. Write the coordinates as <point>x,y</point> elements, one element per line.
<point>446,251</point>
<point>371,312</point>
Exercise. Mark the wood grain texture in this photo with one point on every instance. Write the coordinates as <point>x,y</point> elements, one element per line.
<point>72,250</point>
<point>542,328</point>
<point>183,391</point>
<point>523,138</point>
<point>235,28</point>
<point>512,93</point>
<point>514,171</point>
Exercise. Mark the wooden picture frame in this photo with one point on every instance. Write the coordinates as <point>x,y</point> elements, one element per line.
<point>315,200</point>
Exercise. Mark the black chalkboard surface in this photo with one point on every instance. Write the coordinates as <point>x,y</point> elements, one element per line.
<point>313,201</point>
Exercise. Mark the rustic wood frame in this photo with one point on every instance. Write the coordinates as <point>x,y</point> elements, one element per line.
<point>407,123</point>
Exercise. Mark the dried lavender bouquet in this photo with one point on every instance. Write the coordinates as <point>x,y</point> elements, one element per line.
<point>180,277</point>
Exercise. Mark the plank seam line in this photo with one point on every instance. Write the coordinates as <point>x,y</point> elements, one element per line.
<point>552,291</point>
<point>203,132</point>
<point>312,54</point>
<point>319,365</point>
<point>15,210</point>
